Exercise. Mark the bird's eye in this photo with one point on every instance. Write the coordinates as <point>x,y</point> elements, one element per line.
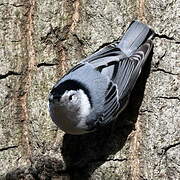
<point>70,97</point>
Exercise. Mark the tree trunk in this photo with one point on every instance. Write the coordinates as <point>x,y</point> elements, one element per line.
<point>40,41</point>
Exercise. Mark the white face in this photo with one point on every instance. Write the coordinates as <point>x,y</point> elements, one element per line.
<point>70,112</point>
<point>71,100</point>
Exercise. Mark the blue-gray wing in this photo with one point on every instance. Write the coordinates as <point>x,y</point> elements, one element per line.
<point>125,75</point>
<point>105,55</point>
<point>131,68</point>
<point>122,72</point>
<point>104,59</point>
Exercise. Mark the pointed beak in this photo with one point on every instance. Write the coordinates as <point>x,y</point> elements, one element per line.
<point>54,98</point>
<point>51,98</point>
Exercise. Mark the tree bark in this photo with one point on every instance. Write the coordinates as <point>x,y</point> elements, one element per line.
<point>40,41</point>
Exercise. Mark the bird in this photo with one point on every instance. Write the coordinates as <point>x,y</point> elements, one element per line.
<point>95,91</point>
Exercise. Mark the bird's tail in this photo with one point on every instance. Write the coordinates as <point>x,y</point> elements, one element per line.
<point>135,36</point>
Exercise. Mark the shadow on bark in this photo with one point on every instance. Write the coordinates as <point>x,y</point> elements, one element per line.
<point>85,153</point>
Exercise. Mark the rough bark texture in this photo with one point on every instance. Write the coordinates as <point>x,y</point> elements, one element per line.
<point>40,40</point>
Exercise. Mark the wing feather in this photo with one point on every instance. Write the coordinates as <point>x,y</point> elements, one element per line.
<point>122,72</point>
<point>140,56</point>
<point>123,81</point>
<point>105,57</point>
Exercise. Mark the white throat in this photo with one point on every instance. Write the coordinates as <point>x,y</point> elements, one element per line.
<point>71,116</point>
<point>84,105</point>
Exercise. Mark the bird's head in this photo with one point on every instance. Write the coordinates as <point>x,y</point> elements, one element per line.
<point>70,100</point>
<point>69,109</point>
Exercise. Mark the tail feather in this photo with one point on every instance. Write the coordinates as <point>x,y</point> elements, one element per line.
<point>134,37</point>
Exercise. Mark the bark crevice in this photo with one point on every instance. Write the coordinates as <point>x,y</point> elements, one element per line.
<point>8,148</point>
<point>166,148</point>
<point>9,73</point>
<point>164,36</point>
<point>168,97</point>
<point>164,71</point>
<point>44,64</point>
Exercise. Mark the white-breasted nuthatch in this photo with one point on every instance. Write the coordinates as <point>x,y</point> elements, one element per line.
<point>96,90</point>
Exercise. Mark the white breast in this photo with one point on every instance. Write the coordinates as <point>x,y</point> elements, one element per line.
<point>70,118</point>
